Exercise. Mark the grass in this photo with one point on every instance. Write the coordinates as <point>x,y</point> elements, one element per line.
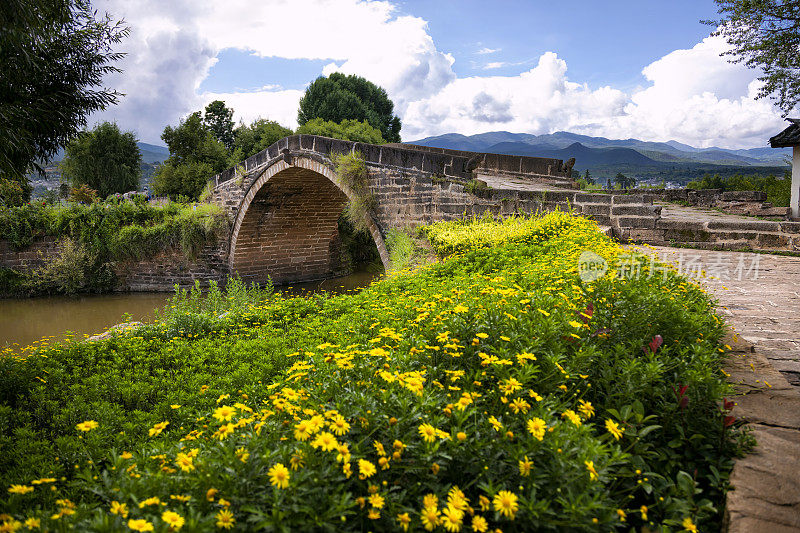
<point>493,388</point>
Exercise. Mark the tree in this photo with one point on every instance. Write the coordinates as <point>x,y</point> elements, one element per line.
<point>588,177</point>
<point>195,155</point>
<point>349,130</point>
<point>249,140</point>
<point>219,120</point>
<point>105,159</point>
<point>623,181</point>
<point>765,34</point>
<point>54,55</point>
<point>339,97</point>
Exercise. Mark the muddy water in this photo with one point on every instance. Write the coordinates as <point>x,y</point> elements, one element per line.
<point>34,320</point>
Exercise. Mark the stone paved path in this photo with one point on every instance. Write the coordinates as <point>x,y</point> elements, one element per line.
<point>762,304</point>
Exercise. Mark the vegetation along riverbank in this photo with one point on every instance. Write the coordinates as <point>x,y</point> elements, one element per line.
<point>491,389</point>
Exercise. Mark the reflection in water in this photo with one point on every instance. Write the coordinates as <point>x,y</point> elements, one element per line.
<point>26,321</point>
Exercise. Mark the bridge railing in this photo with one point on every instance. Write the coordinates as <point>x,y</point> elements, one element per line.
<point>452,163</point>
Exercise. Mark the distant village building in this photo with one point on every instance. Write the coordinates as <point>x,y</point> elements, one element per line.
<point>791,137</point>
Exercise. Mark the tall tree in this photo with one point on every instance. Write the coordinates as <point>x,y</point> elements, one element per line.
<point>249,140</point>
<point>349,130</point>
<point>219,120</point>
<point>765,34</point>
<point>339,97</point>
<point>53,57</point>
<point>624,181</point>
<point>105,159</point>
<point>195,155</point>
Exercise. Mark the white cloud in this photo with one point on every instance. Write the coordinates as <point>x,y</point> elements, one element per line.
<point>692,95</point>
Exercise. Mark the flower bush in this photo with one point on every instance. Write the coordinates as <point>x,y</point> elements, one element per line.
<point>494,390</point>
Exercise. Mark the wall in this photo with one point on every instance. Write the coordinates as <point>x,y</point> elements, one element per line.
<point>751,203</point>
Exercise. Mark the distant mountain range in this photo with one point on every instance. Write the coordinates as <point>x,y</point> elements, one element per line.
<point>605,157</point>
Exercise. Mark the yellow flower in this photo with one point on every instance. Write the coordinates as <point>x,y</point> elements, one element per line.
<point>296,461</point>
<point>326,441</point>
<point>225,430</point>
<point>186,462</point>
<point>460,309</point>
<point>574,418</point>
<point>365,469</point>
<point>404,520</point>
<point>224,413</point>
<point>33,523</point>
<point>339,425</point>
<point>461,436</point>
<point>87,426</point>
<point>225,519</point>
<point>505,503</point>
<point>303,430</point>
<point>428,432</point>
<point>479,524</point>
<point>510,385</point>
<point>537,427</point>
<point>495,423</point>
<point>211,494</point>
<point>622,515</point>
<point>586,409</point>
<point>484,503</point>
<point>158,428</point>
<point>688,525</point>
<point>9,524</point>
<point>430,518</point>
<point>643,510</point>
<point>150,501</point>
<point>520,406</point>
<point>377,501</point>
<point>119,508</point>
<point>525,467</point>
<point>452,518</point>
<point>614,429</point>
<point>20,489</point>
<point>126,455</point>
<point>140,525</point>
<point>279,476</point>
<point>174,520</point>
<point>430,500</point>
<point>373,514</point>
<point>457,499</point>
<point>592,472</point>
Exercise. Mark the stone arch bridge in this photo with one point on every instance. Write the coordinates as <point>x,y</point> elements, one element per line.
<point>284,202</point>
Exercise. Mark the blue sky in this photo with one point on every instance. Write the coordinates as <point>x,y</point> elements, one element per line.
<point>602,42</point>
<point>617,68</point>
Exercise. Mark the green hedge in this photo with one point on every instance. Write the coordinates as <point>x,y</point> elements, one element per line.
<point>105,232</point>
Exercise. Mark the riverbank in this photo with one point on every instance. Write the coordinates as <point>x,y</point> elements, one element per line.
<point>496,388</point>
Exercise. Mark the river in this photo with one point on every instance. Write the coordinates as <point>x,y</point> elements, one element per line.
<point>33,320</point>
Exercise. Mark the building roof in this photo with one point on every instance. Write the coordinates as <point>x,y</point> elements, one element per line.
<point>788,137</point>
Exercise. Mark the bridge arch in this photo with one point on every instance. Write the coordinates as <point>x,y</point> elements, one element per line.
<point>286,227</point>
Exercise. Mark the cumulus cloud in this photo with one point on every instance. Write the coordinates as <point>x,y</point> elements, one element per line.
<point>691,95</point>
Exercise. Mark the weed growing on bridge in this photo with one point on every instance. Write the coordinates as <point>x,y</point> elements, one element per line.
<point>352,171</point>
<point>493,389</point>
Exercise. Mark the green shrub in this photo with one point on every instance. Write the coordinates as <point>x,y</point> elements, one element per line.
<point>108,231</point>
<point>496,381</point>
